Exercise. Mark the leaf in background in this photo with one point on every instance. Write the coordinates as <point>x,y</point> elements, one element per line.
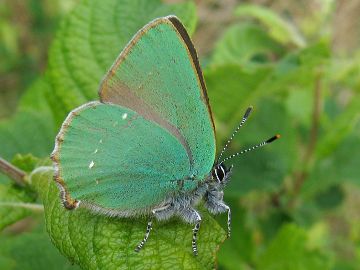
<point>289,250</point>
<point>342,165</point>
<point>299,105</point>
<point>298,70</point>
<point>247,45</point>
<point>15,204</point>
<point>94,241</point>
<point>90,39</point>
<point>31,129</point>
<point>238,250</point>
<point>332,197</point>
<point>266,168</point>
<point>338,129</point>
<point>31,250</point>
<point>26,162</point>
<point>281,30</point>
<point>231,90</point>
<point>234,87</point>
<point>262,169</point>
<point>265,88</point>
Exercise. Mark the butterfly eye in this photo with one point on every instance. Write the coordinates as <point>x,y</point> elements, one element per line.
<point>219,173</point>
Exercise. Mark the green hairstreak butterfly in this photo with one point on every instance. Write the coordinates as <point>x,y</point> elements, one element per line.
<point>148,146</point>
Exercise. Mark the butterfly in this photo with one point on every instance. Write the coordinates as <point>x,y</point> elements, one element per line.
<point>148,146</point>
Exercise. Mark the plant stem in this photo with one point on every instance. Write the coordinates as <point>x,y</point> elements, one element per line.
<point>13,172</point>
<point>301,176</point>
<point>31,206</point>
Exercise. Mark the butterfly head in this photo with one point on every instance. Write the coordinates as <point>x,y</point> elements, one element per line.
<point>221,174</point>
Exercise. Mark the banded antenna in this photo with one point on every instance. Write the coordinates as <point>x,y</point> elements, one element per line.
<point>252,148</point>
<point>245,117</point>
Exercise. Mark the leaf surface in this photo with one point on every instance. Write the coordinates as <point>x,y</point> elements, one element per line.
<point>99,242</point>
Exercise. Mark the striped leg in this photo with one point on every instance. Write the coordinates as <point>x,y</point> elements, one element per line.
<point>229,219</point>
<point>223,206</point>
<point>190,215</point>
<point>161,213</point>
<point>194,238</point>
<point>216,206</point>
<point>142,243</point>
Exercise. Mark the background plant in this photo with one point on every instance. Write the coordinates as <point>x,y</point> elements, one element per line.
<point>294,203</point>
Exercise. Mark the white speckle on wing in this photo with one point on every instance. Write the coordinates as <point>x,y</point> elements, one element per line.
<point>96,150</point>
<point>100,141</point>
<point>124,116</point>
<point>97,181</point>
<point>115,124</point>
<point>91,164</point>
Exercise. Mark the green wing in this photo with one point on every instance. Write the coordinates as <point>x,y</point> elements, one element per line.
<point>158,75</point>
<point>110,157</point>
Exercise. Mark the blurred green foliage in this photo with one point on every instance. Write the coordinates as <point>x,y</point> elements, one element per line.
<point>294,203</point>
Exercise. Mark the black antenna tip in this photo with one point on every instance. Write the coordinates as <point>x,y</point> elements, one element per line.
<point>248,111</point>
<point>277,136</point>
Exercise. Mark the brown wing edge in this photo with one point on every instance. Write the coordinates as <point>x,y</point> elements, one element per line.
<point>179,27</point>
<point>192,51</point>
<point>68,202</point>
<point>71,203</point>
<point>103,84</point>
<point>182,33</point>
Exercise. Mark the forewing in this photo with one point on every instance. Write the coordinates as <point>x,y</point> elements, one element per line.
<point>158,75</point>
<point>110,157</point>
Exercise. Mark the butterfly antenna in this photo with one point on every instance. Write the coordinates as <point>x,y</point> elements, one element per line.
<point>253,147</point>
<point>245,117</point>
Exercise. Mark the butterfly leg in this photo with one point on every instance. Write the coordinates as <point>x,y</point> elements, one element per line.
<point>224,208</point>
<point>215,204</point>
<point>160,213</point>
<point>147,233</point>
<point>190,215</point>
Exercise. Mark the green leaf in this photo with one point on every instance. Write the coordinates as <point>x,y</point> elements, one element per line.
<point>229,101</point>
<point>31,250</point>
<point>94,241</point>
<point>239,249</point>
<point>330,198</point>
<point>342,165</point>
<point>90,39</point>
<point>299,104</point>
<point>288,250</point>
<point>281,30</point>
<point>266,168</point>
<point>15,204</point>
<point>31,129</point>
<point>247,45</point>
<point>19,202</point>
<point>26,162</point>
<point>339,129</point>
